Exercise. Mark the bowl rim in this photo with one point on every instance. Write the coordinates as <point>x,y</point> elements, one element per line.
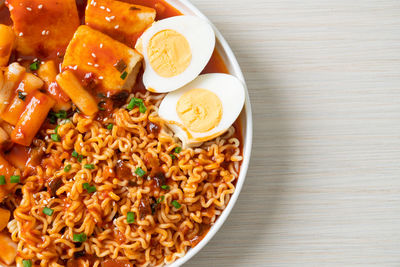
<point>247,132</point>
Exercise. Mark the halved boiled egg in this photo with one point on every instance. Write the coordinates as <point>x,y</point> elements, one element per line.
<point>175,51</point>
<point>203,109</point>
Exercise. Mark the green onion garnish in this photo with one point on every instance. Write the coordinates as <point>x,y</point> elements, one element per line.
<point>14,179</point>
<point>62,114</point>
<point>142,108</point>
<point>89,188</point>
<point>77,156</point>
<point>80,237</point>
<point>56,129</point>
<point>101,104</point>
<point>67,168</point>
<point>34,65</point>
<point>140,172</point>
<point>110,126</point>
<point>176,204</point>
<point>55,137</point>
<point>137,102</point>
<point>130,217</point>
<point>26,263</point>
<point>161,199</point>
<point>2,180</point>
<point>89,166</point>
<point>165,187</point>
<point>177,149</point>
<point>22,95</point>
<point>172,156</point>
<point>123,75</point>
<point>48,211</point>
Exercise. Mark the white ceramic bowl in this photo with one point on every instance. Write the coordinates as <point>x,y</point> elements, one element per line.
<point>231,63</point>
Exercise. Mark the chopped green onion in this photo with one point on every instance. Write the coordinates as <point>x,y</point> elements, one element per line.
<point>176,204</point>
<point>2,180</point>
<point>14,179</point>
<point>56,129</point>
<point>166,187</point>
<point>77,156</point>
<point>48,211</point>
<point>177,149</point>
<point>80,237</point>
<point>67,168</point>
<point>100,105</point>
<point>89,188</point>
<point>89,166</point>
<point>142,108</point>
<point>62,114</point>
<point>161,199</point>
<point>55,137</point>
<point>110,126</point>
<point>140,172</point>
<point>124,74</point>
<point>101,95</point>
<point>26,263</point>
<point>130,217</point>
<point>22,95</point>
<point>172,156</point>
<point>34,65</point>
<point>133,103</point>
<point>137,102</point>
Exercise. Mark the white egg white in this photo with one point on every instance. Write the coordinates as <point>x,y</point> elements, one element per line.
<point>201,38</point>
<point>229,89</point>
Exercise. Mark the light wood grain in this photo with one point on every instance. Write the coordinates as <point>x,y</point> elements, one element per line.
<point>323,188</point>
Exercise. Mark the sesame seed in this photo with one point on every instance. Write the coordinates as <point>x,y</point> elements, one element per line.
<point>96,65</point>
<point>29,9</point>
<point>112,17</point>
<point>75,67</point>
<point>108,19</point>
<point>19,59</point>
<point>102,7</point>
<point>40,6</point>
<point>21,34</point>
<point>6,102</point>
<point>94,55</point>
<point>101,45</point>
<point>10,7</point>
<point>90,63</point>
<point>108,10</point>
<point>116,27</point>
<point>24,93</point>
<point>101,78</point>
<point>44,32</point>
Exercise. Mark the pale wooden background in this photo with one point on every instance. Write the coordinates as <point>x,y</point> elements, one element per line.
<point>323,188</point>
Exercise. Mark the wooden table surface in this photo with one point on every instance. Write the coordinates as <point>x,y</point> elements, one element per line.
<point>323,188</point>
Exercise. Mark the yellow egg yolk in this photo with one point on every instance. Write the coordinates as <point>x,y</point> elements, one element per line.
<point>200,110</point>
<point>169,53</point>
